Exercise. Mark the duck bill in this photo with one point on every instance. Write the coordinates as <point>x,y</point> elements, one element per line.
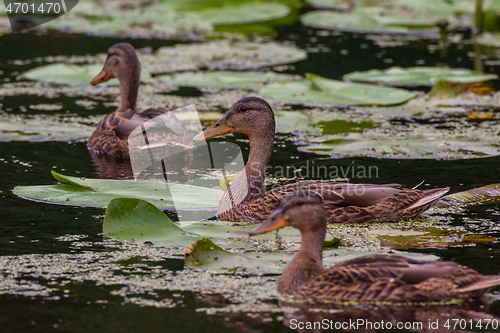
<point>273,222</point>
<point>101,78</point>
<point>219,128</point>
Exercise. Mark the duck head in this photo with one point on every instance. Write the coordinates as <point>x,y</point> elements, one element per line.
<point>122,63</point>
<point>302,210</point>
<point>251,116</point>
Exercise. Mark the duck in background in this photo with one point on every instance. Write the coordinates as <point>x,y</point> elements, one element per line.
<point>111,135</point>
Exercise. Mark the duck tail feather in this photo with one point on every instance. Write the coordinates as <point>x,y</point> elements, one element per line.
<point>429,197</point>
<point>487,282</point>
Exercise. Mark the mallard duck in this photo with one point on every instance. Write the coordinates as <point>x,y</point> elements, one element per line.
<point>247,200</point>
<point>371,278</point>
<point>111,135</point>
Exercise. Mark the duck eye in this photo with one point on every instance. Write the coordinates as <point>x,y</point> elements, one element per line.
<point>299,203</point>
<point>243,108</point>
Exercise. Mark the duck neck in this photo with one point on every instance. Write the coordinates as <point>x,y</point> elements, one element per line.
<point>261,149</point>
<point>311,247</point>
<point>306,264</point>
<point>129,88</point>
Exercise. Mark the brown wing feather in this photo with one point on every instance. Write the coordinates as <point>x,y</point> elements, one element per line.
<point>395,279</point>
<point>345,202</point>
<point>258,209</point>
<point>112,132</point>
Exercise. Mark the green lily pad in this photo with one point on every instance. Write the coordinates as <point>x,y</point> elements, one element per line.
<point>45,127</point>
<point>223,54</point>
<point>207,255</point>
<point>70,74</point>
<point>423,145</point>
<point>141,221</point>
<point>423,106</point>
<point>420,238</point>
<point>442,7</point>
<point>489,39</point>
<point>320,90</point>
<point>418,75</point>
<point>110,18</point>
<point>230,11</point>
<point>226,79</point>
<point>316,123</point>
<point>105,190</point>
<point>334,242</point>
<point>340,5</point>
<point>387,16</point>
<point>3,12</point>
<point>359,20</point>
<point>245,13</point>
<point>295,121</point>
<point>484,195</point>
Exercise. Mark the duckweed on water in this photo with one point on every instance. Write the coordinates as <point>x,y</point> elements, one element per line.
<point>42,275</point>
<point>45,127</point>
<point>412,141</point>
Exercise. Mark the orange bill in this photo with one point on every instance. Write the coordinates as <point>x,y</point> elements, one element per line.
<point>101,78</point>
<point>273,222</point>
<point>219,128</point>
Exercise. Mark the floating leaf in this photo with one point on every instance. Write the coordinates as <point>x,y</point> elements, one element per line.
<point>441,7</point>
<point>334,242</point>
<point>320,90</point>
<point>68,181</point>
<point>484,195</point>
<point>223,54</point>
<point>45,127</point>
<point>295,121</point>
<point>205,254</point>
<point>230,11</point>
<point>418,75</point>
<point>70,74</point>
<point>226,79</point>
<point>158,20</point>
<point>420,238</point>
<point>389,16</point>
<point>450,89</point>
<point>316,123</point>
<point>422,145</point>
<point>186,196</point>
<point>226,181</point>
<point>331,4</point>
<point>245,13</point>
<point>139,220</point>
<point>489,39</point>
<point>437,107</point>
<point>359,20</point>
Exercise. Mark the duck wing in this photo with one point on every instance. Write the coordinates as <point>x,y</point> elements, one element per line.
<point>106,139</point>
<point>382,204</point>
<point>376,278</point>
<point>167,122</point>
<point>112,132</point>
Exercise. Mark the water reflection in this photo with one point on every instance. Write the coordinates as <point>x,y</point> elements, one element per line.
<point>171,169</point>
<point>111,168</point>
<point>449,318</point>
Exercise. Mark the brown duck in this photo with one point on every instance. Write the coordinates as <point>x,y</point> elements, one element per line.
<point>247,200</point>
<point>111,135</point>
<point>372,278</point>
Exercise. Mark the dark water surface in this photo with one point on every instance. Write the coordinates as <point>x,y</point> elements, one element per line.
<point>31,227</point>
